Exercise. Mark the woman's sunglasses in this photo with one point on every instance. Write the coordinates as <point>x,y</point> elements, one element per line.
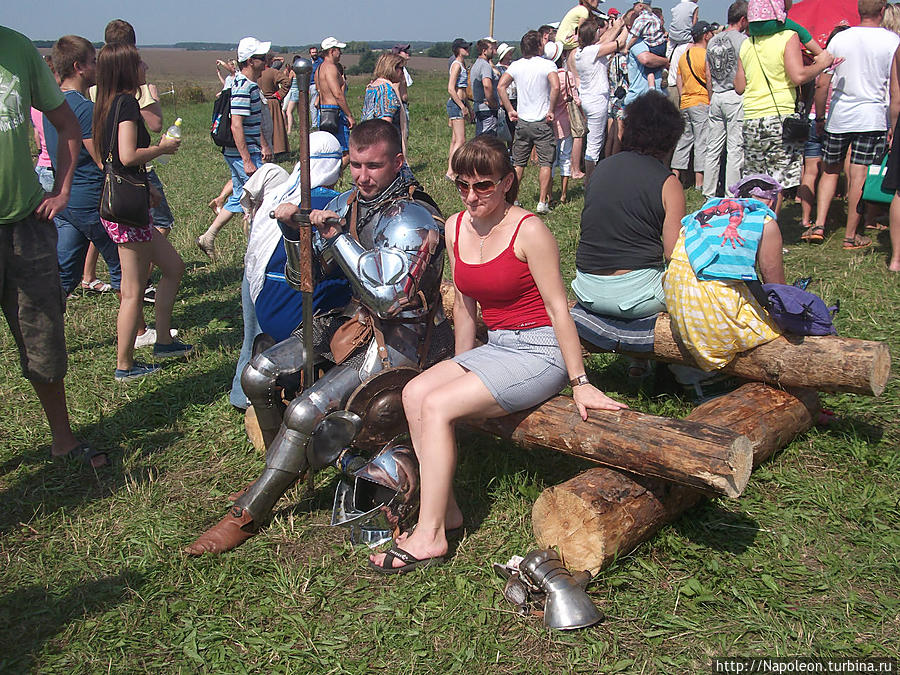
<point>482,188</point>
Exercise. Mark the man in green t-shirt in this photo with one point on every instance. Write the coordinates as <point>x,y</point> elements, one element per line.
<point>30,290</point>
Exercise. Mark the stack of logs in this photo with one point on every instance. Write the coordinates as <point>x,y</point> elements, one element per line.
<point>655,468</point>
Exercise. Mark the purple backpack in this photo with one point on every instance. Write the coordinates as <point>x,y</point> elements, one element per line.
<point>799,312</point>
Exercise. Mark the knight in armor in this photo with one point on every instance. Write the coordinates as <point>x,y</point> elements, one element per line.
<point>389,245</point>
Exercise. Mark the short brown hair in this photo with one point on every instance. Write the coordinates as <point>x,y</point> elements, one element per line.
<point>67,51</point>
<point>486,156</point>
<point>483,46</point>
<point>530,44</point>
<point>587,32</point>
<point>369,133</point>
<point>870,8</point>
<point>119,30</point>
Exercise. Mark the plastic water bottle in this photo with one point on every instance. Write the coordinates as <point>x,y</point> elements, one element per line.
<point>173,131</point>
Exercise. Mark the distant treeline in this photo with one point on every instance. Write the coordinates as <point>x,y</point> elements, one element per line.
<point>353,47</point>
<point>434,49</point>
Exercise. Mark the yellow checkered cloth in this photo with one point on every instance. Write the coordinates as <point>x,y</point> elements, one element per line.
<point>714,319</point>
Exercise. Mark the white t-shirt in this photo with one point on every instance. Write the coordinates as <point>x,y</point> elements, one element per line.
<point>860,84</point>
<point>593,73</point>
<point>674,59</point>
<point>530,76</point>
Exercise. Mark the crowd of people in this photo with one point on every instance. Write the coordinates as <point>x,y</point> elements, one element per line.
<point>613,99</point>
<point>735,85</point>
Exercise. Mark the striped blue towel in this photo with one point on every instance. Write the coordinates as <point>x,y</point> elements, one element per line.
<point>712,256</point>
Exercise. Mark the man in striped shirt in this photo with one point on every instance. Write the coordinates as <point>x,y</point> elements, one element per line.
<point>251,149</point>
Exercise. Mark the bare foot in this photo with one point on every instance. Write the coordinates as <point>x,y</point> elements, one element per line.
<point>420,545</point>
<point>894,267</point>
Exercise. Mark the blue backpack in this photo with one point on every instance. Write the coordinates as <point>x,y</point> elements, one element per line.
<point>798,311</point>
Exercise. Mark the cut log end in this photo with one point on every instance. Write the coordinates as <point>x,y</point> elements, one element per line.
<point>881,369</point>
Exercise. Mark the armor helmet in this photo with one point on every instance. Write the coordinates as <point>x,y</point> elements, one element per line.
<point>381,497</point>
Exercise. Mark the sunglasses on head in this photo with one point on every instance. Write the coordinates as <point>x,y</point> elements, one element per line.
<point>482,188</point>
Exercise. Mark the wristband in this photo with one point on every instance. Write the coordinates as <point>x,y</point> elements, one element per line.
<point>581,379</point>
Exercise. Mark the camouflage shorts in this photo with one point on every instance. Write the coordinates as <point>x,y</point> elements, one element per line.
<point>765,152</point>
<point>32,297</point>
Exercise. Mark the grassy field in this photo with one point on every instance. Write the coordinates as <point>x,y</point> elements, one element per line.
<point>806,562</point>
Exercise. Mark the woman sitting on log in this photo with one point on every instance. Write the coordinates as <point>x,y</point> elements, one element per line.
<point>712,309</point>
<point>505,259</point>
<point>633,208</point>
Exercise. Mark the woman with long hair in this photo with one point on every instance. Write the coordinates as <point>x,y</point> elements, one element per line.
<point>458,111</point>
<point>120,135</point>
<point>506,260</point>
<point>595,43</point>
<point>382,98</point>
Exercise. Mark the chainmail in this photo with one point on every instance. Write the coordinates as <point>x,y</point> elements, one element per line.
<point>399,189</point>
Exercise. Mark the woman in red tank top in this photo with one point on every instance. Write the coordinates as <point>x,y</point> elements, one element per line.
<point>506,260</point>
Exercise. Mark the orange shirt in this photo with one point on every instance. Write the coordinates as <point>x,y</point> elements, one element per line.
<point>692,91</point>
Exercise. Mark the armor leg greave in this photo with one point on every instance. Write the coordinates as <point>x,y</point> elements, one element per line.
<point>286,457</point>
<point>260,383</point>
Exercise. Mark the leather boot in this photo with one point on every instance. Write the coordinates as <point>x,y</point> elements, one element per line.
<point>232,531</point>
<point>234,496</point>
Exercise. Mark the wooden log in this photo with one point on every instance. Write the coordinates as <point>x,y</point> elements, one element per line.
<point>603,513</point>
<point>691,453</point>
<point>829,363</point>
<point>826,363</point>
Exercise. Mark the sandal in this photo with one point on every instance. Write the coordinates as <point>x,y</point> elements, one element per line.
<point>410,562</point>
<point>877,227</point>
<point>856,241</point>
<point>84,454</point>
<point>96,286</point>
<point>813,234</point>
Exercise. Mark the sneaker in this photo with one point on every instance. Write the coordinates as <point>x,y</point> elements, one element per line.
<point>150,294</point>
<point>542,207</point>
<point>137,370</point>
<point>175,348</point>
<point>149,338</point>
<point>207,245</point>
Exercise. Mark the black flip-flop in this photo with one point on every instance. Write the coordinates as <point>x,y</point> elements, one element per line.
<point>84,454</point>
<point>410,562</point>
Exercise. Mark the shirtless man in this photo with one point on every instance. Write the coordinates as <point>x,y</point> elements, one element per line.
<point>334,113</point>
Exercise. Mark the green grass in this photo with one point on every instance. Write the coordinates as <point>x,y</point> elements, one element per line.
<point>93,580</point>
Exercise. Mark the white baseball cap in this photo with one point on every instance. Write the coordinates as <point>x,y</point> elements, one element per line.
<point>489,38</point>
<point>331,42</point>
<point>250,46</point>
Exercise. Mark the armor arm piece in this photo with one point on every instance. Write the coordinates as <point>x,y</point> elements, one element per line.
<point>292,243</point>
<point>387,278</point>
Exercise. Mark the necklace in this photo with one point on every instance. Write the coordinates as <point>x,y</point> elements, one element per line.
<point>483,238</point>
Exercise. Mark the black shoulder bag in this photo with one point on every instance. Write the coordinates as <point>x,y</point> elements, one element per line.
<point>126,197</point>
<point>691,68</point>
<point>794,127</point>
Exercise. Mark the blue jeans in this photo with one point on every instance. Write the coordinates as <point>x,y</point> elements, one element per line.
<point>238,178</point>
<point>251,329</point>
<point>76,228</point>
<point>46,176</point>
<point>162,214</point>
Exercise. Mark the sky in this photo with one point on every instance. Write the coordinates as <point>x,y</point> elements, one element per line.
<point>302,21</point>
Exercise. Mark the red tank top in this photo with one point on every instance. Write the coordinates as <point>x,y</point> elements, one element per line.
<point>503,286</point>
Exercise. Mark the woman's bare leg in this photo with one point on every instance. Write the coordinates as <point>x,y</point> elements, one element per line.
<point>433,402</point>
<point>166,258</point>
<point>89,273</point>
<point>457,140</point>
<point>134,258</point>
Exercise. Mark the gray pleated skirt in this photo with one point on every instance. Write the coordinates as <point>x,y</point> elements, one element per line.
<point>521,368</point>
